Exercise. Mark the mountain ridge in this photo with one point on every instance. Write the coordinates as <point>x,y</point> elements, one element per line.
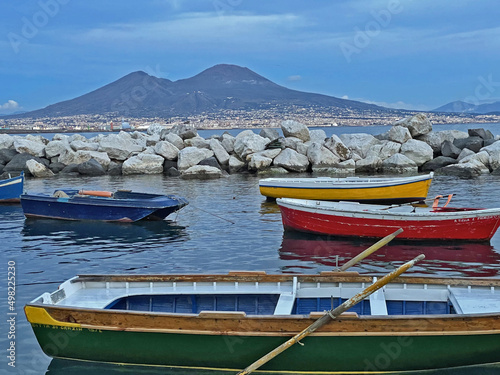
<point>459,106</point>
<point>220,87</point>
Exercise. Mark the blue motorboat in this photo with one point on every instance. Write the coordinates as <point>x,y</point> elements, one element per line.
<point>122,205</point>
<point>11,189</point>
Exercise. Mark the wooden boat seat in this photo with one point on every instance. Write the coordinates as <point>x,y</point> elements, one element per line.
<point>378,305</point>
<point>286,301</point>
<point>285,304</point>
<point>474,301</point>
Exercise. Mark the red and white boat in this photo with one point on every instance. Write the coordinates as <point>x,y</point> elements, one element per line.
<point>377,221</point>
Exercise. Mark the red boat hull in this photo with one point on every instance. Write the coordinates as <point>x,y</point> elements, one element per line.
<point>473,229</point>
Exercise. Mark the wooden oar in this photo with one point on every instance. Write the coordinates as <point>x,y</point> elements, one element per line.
<point>331,314</point>
<point>384,241</point>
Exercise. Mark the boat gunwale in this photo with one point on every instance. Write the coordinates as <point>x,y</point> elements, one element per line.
<point>240,324</point>
<point>325,276</point>
<point>382,213</point>
<point>94,200</point>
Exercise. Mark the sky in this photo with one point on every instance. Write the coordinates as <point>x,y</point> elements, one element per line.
<point>410,54</point>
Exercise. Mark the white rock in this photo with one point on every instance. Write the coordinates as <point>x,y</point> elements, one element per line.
<point>220,152</point>
<point>228,142</point>
<point>197,141</point>
<point>359,143</point>
<point>143,164</point>
<point>436,139</point>
<point>269,133</point>
<point>249,144</point>
<point>465,153</point>
<point>258,162</point>
<point>398,163</point>
<point>318,135</point>
<point>235,164</point>
<point>482,157</point>
<point>369,164</point>
<point>291,160</point>
<point>155,129</point>
<point>71,157</point>
<point>175,140</point>
<point>6,141</point>
<point>38,169</point>
<point>31,147</point>
<point>37,138</point>
<point>191,156</point>
<point>320,156</point>
<point>293,142</point>
<point>418,151</point>
<point>344,168</point>
<point>203,172</point>
<point>385,150</point>
<point>335,145</point>
<point>167,150</point>
<point>80,145</point>
<point>417,125</point>
<point>295,129</point>
<point>184,131</point>
<point>399,134</point>
<point>244,133</point>
<point>77,137</point>
<point>61,137</point>
<point>120,146</point>
<point>271,153</point>
<point>56,148</point>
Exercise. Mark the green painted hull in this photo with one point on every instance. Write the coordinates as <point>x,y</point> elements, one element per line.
<point>318,354</point>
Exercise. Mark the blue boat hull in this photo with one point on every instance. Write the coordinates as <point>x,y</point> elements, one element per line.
<point>131,207</point>
<point>11,189</point>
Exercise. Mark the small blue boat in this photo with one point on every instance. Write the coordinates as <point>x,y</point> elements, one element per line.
<point>11,189</point>
<point>121,206</point>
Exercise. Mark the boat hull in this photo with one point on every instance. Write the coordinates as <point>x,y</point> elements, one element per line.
<point>224,342</point>
<point>384,191</point>
<point>11,189</point>
<point>469,226</point>
<point>102,209</point>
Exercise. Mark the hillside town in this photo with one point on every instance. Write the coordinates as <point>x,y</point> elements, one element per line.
<point>230,119</point>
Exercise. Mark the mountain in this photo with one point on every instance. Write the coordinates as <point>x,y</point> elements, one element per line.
<point>220,87</point>
<point>464,107</point>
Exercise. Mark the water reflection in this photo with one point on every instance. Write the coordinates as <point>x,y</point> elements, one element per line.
<point>92,231</point>
<point>449,259</point>
<point>64,367</point>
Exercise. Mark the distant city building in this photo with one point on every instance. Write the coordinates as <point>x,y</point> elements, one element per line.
<point>126,125</point>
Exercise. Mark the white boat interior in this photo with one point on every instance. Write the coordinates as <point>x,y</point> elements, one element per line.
<point>273,298</point>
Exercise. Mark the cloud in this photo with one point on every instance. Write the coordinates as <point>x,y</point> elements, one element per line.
<point>10,105</point>
<point>195,28</point>
<point>294,78</point>
<point>397,105</point>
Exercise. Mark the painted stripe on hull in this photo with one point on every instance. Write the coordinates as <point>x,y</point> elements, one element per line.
<point>11,190</point>
<point>479,228</point>
<point>319,353</point>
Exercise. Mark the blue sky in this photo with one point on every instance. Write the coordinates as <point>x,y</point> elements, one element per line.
<point>415,54</point>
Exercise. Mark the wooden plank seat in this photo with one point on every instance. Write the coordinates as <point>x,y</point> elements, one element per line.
<point>474,301</point>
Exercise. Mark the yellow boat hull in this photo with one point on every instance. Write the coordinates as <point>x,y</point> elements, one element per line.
<point>398,193</point>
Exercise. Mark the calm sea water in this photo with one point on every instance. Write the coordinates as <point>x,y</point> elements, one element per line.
<point>227,226</point>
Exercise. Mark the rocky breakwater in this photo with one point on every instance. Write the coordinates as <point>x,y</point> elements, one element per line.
<point>409,146</point>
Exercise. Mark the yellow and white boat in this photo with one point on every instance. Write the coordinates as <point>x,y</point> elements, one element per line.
<point>358,189</point>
